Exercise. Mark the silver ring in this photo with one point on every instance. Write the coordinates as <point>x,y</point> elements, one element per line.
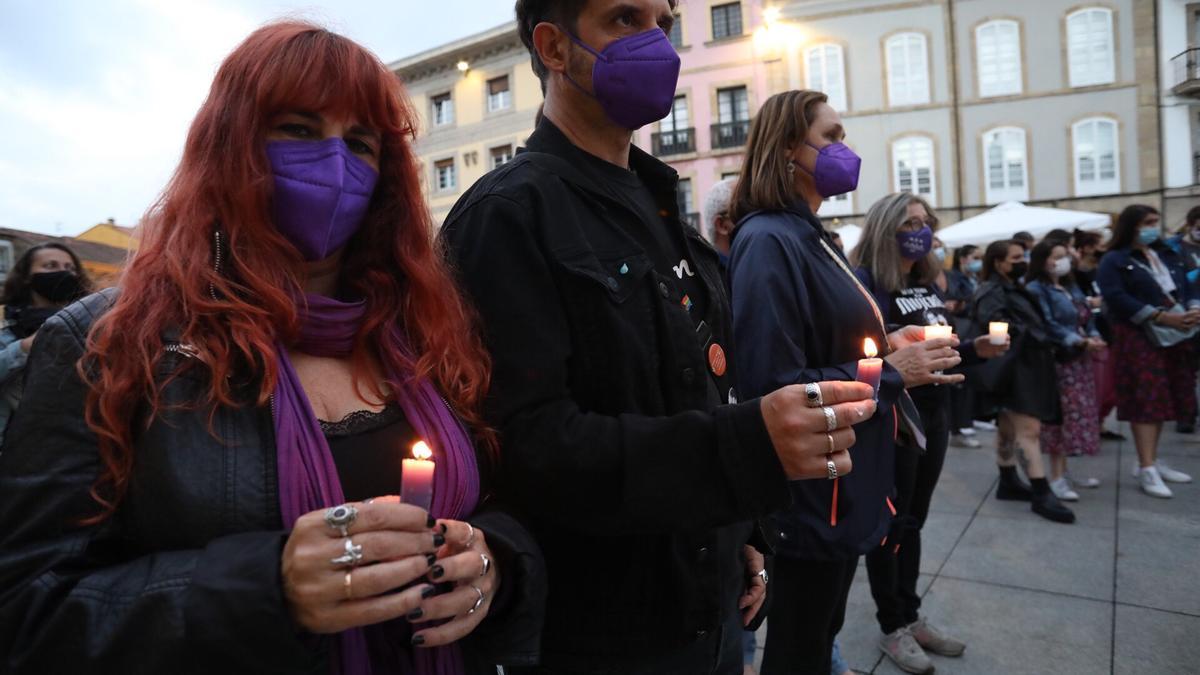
<point>812,394</point>
<point>478,603</point>
<point>487,565</point>
<point>470,536</point>
<point>831,468</point>
<point>831,422</point>
<point>762,573</point>
<point>352,556</point>
<point>341,518</point>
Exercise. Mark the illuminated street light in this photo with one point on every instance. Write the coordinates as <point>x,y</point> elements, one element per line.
<point>463,66</point>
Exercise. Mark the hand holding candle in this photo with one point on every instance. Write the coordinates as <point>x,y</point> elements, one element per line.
<point>416,477</point>
<point>937,331</point>
<point>871,368</point>
<point>998,332</point>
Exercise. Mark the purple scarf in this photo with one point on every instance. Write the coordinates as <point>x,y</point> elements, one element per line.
<point>308,478</point>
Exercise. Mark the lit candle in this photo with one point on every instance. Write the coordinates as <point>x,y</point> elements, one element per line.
<point>997,332</point>
<point>416,477</point>
<point>870,368</point>
<point>936,331</point>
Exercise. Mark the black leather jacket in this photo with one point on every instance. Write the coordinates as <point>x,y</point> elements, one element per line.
<point>185,577</point>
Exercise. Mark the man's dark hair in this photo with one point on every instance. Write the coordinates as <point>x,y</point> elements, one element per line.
<point>1058,235</point>
<point>562,12</point>
<point>1024,239</point>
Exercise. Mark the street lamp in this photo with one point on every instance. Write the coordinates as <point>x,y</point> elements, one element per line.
<point>463,66</point>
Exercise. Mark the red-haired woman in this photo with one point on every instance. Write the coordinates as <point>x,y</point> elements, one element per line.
<point>173,501</point>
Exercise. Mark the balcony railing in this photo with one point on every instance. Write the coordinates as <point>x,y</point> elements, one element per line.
<point>1187,72</point>
<point>677,142</point>
<point>730,134</point>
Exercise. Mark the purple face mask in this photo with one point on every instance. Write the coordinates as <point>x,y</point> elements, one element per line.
<point>915,245</point>
<point>836,171</point>
<point>634,77</point>
<point>322,192</point>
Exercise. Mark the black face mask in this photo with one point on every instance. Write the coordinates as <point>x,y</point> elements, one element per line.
<point>1018,271</point>
<point>30,319</point>
<point>57,287</point>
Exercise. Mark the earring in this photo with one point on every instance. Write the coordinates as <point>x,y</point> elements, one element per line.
<point>791,166</point>
<point>212,289</point>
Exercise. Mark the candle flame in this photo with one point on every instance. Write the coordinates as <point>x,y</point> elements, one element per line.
<point>420,450</point>
<point>869,348</point>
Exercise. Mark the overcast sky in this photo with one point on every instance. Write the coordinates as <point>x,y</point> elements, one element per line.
<point>96,97</point>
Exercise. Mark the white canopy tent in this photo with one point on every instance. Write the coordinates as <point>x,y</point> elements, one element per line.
<point>850,236</point>
<point>1005,220</point>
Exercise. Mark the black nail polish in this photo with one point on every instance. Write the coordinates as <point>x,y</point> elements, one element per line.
<point>418,640</point>
<point>431,558</point>
<point>437,572</point>
<point>439,539</point>
<point>430,522</point>
<point>442,528</point>
<point>428,592</point>
<point>415,614</point>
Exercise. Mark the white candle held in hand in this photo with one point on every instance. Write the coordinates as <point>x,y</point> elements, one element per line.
<point>997,332</point>
<point>936,331</point>
<point>870,368</point>
<point>416,477</point>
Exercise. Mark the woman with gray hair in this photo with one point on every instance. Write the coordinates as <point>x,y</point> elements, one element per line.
<point>894,259</point>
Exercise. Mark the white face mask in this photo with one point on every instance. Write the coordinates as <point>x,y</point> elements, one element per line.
<point>1061,268</point>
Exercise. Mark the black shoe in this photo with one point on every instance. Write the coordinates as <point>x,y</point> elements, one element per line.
<point>1185,428</point>
<point>1011,488</point>
<point>1047,506</point>
<point>1111,436</point>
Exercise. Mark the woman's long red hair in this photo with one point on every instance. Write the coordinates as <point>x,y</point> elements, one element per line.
<point>235,314</point>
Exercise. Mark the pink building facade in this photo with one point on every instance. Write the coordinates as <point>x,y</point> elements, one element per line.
<point>726,75</point>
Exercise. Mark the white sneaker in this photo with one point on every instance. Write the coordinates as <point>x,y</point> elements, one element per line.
<point>1152,483</point>
<point>1090,482</point>
<point>1171,475</point>
<point>968,431</point>
<point>984,426</point>
<point>1062,489</point>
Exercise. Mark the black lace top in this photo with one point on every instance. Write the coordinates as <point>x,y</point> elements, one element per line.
<point>368,448</point>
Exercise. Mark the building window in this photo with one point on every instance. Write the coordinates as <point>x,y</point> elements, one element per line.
<point>684,194</point>
<point>6,259</point>
<point>444,174</point>
<point>841,205</point>
<point>727,20</point>
<point>998,58</point>
<point>1097,169</point>
<point>1090,47</point>
<point>912,167</point>
<point>907,69</point>
<point>443,109</point>
<point>676,34</point>
<point>499,95</point>
<point>733,118</point>
<point>730,174</point>
<point>501,155</point>
<point>827,74</point>
<point>1006,173</point>
<point>674,135</point>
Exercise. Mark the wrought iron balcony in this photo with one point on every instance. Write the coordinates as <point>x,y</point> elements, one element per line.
<point>730,134</point>
<point>677,142</point>
<point>1187,73</point>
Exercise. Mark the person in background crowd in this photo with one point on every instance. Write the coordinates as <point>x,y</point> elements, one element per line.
<point>1073,332</point>
<point>939,252</point>
<point>639,465</point>
<point>894,259</point>
<point>1145,288</point>
<point>1025,240</point>
<point>717,226</point>
<point>45,279</point>
<point>800,315</point>
<point>1089,247</point>
<point>1022,385</point>
<point>961,281</point>
<point>187,483</point>
<point>1187,244</point>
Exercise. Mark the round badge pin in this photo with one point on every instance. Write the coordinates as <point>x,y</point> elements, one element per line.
<point>716,359</point>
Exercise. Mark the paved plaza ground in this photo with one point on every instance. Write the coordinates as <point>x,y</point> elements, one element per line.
<point>1117,592</point>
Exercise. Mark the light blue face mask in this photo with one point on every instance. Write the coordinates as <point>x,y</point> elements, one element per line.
<point>940,253</point>
<point>1149,235</point>
<point>975,266</point>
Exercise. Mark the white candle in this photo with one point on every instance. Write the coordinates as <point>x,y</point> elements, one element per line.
<point>997,332</point>
<point>416,477</point>
<point>870,369</point>
<point>936,331</point>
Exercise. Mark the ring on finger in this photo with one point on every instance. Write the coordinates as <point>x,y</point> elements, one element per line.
<point>812,395</point>
<point>830,468</point>
<point>478,601</point>
<point>831,422</point>
<point>470,536</point>
<point>352,556</point>
<point>346,584</point>
<point>487,564</point>
<point>341,517</point>
<point>829,437</point>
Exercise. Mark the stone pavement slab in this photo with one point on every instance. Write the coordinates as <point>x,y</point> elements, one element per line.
<point>1150,641</point>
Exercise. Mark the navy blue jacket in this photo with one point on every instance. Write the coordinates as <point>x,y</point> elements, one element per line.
<point>1130,292</point>
<point>798,317</point>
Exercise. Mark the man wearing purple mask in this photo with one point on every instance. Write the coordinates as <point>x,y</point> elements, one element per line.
<point>613,389</point>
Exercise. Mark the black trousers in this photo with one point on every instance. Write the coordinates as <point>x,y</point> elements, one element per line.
<point>893,573</point>
<point>962,406</point>
<point>807,612</point>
